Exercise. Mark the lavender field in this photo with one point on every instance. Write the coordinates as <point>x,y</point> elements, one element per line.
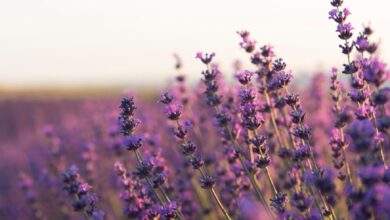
<point>266,145</point>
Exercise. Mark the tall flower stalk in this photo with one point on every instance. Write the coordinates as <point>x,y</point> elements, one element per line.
<point>133,142</point>
<point>84,200</point>
<point>360,89</point>
<point>188,149</point>
<point>214,100</point>
<point>343,118</point>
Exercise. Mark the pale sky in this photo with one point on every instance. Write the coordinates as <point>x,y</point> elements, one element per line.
<point>131,42</point>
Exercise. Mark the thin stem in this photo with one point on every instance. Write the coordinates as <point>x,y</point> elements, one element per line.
<point>273,116</point>
<point>225,213</point>
<point>251,176</point>
<point>379,144</point>
<point>333,216</point>
<point>347,168</point>
<point>291,138</point>
<point>266,171</point>
<point>300,125</point>
<point>154,191</point>
<point>255,185</point>
<point>220,205</point>
<point>139,159</point>
<point>271,182</point>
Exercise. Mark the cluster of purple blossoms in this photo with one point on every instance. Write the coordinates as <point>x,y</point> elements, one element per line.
<point>138,198</point>
<point>189,148</point>
<point>84,200</point>
<point>146,168</point>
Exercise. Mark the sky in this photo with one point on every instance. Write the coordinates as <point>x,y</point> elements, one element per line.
<point>131,42</point>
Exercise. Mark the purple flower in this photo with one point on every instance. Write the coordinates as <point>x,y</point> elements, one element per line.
<point>336,3</point>
<point>279,65</point>
<point>243,34</point>
<point>166,98</point>
<point>379,139</point>
<point>247,95</point>
<point>375,72</point>
<point>248,45</point>
<point>188,148</point>
<point>70,174</point>
<point>207,182</point>
<point>280,81</point>
<point>322,179</point>
<point>169,210</point>
<point>344,31</point>
<point>333,14</point>
<point>361,43</point>
<point>360,96</point>
<point>173,111</point>
<point>361,133</point>
<point>132,142</point>
<point>127,107</point>
<point>303,132</point>
<point>267,51</point>
<point>339,16</point>
<point>278,202</point>
<point>210,75</point>
<point>334,70</point>
<point>298,116</point>
<point>347,48</point>
<point>144,169</point>
<point>302,153</point>
<point>292,99</point>
<point>244,77</point>
<point>205,58</point>
<point>222,117</point>
<point>262,161</point>
<point>381,97</point>
<point>370,175</point>
<point>180,132</point>
<point>364,112</point>
<point>196,162</point>
<point>84,200</point>
<point>252,123</point>
<point>300,201</point>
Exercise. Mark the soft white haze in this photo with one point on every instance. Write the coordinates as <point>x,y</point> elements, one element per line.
<point>130,42</point>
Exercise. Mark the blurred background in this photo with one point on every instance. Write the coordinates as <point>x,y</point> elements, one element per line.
<point>86,45</point>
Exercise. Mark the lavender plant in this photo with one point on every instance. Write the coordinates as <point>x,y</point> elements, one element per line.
<point>256,148</point>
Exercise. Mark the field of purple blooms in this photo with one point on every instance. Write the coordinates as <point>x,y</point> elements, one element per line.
<point>259,148</point>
